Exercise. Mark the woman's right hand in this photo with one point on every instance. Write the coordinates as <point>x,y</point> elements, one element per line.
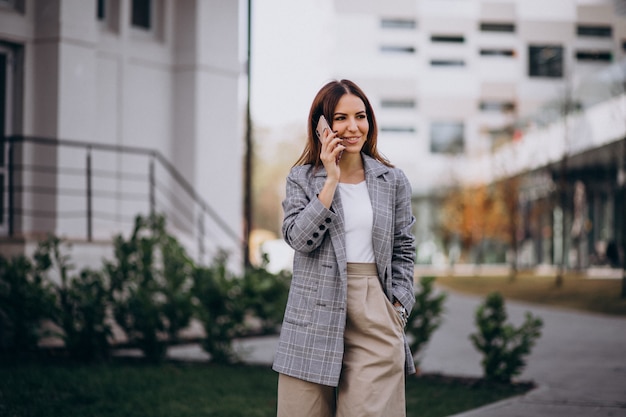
<point>330,152</point>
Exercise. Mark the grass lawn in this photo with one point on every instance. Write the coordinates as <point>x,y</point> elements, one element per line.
<point>129,388</point>
<point>576,292</point>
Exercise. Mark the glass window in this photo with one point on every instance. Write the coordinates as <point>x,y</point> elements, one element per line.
<point>393,49</point>
<point>17,5</point>
<point>447,38</point>
<point>101,9</point>
<point>545,61</point>
<point>497,106</point>
<point>447,63</point>
<point>596,31</point>
<point>397,129</point>
<point>397,103</point>
<point>141,14</point>
<point>600,56</point>
<point>497,52</point>
<point>497,27</point>
<point>397,24</point>
<point>447,137</point>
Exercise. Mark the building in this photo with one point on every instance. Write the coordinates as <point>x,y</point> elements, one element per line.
<point>118,108</point>
<point>455,80</point>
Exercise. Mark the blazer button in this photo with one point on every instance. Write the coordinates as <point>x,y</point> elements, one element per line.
<point>322,227</point>
<point>309,242</point>
<point>328,220</point>
<point>316,234</point>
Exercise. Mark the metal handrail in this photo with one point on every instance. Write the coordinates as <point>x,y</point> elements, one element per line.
<point>153,156</point>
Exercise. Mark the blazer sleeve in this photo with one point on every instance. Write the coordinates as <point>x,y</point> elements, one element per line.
<point>403,255</point>
<point>306,220</point>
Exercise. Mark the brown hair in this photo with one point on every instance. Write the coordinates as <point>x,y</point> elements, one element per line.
<point>325,103</point>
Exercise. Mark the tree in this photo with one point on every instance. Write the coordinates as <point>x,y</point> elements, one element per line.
<point>475,214</point>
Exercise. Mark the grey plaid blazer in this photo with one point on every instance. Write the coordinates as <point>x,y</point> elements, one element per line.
<point>311,339</point>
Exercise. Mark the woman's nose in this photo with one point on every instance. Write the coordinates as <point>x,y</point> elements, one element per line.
<point>353,125</point>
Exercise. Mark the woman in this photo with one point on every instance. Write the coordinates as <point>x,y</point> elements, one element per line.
<point>342,349</point>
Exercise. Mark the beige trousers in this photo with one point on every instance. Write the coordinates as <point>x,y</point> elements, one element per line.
<point>372,378</point>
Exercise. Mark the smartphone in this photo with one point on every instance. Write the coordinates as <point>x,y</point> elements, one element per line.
<point>322,125</point>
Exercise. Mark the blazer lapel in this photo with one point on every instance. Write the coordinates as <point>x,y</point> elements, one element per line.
<point>381,195</point>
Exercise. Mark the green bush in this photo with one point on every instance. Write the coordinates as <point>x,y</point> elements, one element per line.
<point>81,309</point>
<point>150,279</point>
<point>503,346</point>
<point>26,300</point>
<point>220,308</point>
<point>265,296</point>
<point>426,316</point>
<point>152,290</point>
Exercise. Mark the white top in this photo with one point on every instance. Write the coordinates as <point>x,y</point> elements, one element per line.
<point>358,218</point>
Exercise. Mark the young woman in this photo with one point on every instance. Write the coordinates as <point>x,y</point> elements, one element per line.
<point>342,349</point>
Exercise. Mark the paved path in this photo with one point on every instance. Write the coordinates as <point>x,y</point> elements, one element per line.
<point>579,363</point>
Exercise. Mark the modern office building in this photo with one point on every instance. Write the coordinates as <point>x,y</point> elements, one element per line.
<point>455,81</point>
<point>116,108</point>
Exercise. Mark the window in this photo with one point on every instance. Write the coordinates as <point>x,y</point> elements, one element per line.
<point>397,103</point>
<point>397,129</point>
<point>447,38</point>
<point>545,61</point>
<point>594,56</point>
<point>397,24</point>
<point>101,9</point>
<point>141,14</point>
<point>447,137</point>
<point>397,49</point>
<point>447,63</point>
<point>497,27</point>
<point>497,106</point>
<point>497,52</point>
<point>17,5</point>
<point>595,31</point>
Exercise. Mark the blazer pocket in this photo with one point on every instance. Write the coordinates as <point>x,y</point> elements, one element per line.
<point>299,308</point>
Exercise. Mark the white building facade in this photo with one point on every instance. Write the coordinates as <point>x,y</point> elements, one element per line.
<point>118,108</point>
<point>453,79</point>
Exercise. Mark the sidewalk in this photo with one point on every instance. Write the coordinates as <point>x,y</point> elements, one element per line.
<point>579,363</point>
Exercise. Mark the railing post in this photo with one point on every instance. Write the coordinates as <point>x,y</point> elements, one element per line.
<point>89,197</point>
<point>201,248</point>
<point>11,197</point>
<point>152,186</point>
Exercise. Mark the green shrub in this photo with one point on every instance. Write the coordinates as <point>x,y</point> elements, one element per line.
<point>426,316</point>
<point>82,300</point>
<point>503,346</point>
<point>220,308</point>
<point>26,300</point>
<point>150,280</point>
<point>265,296</point>
<point>151,288</point>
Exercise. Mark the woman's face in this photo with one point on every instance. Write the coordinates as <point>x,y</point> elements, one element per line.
<point>350,122</point>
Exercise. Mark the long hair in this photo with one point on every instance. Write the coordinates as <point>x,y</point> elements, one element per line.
<point>325,103</point>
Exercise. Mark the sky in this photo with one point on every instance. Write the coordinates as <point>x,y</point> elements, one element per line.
<point>290,58</point>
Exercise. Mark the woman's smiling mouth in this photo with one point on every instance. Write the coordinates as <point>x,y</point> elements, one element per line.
<point>351,140</point>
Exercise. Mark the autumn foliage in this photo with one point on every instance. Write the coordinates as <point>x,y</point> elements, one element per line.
<point>482,212</point>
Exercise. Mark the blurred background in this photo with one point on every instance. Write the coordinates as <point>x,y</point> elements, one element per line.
<point>508,116</point>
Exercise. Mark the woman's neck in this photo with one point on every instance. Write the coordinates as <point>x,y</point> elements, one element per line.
<point>352,171</point>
